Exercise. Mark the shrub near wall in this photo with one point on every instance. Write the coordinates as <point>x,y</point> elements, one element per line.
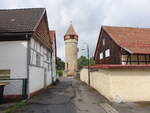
<point>59,72</point>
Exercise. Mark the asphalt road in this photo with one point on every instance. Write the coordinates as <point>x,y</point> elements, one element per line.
<point>68,96</point>
<point>73,96</point>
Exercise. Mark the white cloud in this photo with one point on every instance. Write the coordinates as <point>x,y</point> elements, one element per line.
<point>129,13</point>
<point>87,16</point>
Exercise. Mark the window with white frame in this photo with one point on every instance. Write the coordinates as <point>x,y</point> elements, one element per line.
<point>101,55</point>
<point>103,41</point>
<point>107,53</point>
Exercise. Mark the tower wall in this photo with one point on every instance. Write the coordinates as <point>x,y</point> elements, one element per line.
<point>71,57</point>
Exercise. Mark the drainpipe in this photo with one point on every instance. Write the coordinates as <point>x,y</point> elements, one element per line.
<point>52,67</point>
<point>28,63</point>
<point>89,78</point>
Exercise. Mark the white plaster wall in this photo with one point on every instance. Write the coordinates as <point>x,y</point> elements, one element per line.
<point>84,75</point>
<point>100,80</point>
<point>13,56</point>
<point>48,75</point>
<point>13,88</point>
<point>130,84</point>
<point>40,77</point>
<point>49,78</point>
<point>54,62</point>
<point>36,78</point>
<point>127,85</point>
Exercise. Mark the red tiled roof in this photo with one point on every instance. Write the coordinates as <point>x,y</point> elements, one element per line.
<point>52,35</point>
<point>133,40</point>
<point>71,31</point>
<point>53,39</point>
<point>119,66</point>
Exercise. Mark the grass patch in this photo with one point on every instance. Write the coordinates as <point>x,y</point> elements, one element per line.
<point>18,105</point>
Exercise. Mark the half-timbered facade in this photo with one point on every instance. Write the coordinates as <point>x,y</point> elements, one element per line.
<point>26,51</point>
<point>123,45</point>
<point>122,67</point>
<point>122,70</point>
<point>54,54</point>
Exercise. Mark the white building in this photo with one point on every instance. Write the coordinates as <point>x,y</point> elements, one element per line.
<point>25,51</point>
<point>54,54</point>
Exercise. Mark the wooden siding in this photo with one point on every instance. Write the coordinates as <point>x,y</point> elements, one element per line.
<point>42,32</point>
<point>115,51</point>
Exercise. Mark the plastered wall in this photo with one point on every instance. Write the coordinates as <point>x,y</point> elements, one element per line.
<point>36,79</point>
<point>130,84</point>
<point>71,56</point>
<point>127,85</point>
<point>13,57</point>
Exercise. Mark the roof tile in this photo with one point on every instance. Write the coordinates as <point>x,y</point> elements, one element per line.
<point>134,40</point>
<point>19,20</point>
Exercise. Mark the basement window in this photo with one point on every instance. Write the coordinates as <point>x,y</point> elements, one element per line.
<point>4,74</point>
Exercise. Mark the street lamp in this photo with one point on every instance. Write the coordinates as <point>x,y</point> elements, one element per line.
<point>88,55</point>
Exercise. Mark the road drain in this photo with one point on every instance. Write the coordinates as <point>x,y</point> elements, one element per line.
<point>108,108</point>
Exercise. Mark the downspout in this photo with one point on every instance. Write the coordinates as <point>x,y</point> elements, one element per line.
<point>28,63</point>
<point>52,67</point>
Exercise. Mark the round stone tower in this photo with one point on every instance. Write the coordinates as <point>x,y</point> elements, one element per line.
<point>71,50</point>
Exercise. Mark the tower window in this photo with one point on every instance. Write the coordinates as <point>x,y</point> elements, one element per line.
<point>71,37</point>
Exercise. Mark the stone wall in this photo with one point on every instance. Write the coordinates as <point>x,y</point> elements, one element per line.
<point>71,57</point>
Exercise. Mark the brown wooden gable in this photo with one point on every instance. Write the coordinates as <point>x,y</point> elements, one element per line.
<point>42,32</point>
<point>96,54</point>
<point>115,50</point>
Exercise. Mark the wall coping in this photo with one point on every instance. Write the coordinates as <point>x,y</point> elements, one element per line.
<point>119,66</point>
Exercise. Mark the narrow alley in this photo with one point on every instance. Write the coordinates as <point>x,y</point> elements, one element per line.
<point>73,96</point>
<point>68,96</point>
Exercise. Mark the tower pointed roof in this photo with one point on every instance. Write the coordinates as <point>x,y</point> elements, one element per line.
<point>71,31</point>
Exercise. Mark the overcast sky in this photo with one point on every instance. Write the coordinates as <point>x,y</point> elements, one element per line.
<point>87,16</point>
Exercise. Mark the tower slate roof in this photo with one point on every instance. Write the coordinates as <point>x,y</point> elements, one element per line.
<point>71,31</point>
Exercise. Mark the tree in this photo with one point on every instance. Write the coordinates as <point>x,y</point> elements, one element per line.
<point>60,64</point>
<point>83,61</point>
<point>92,62</point>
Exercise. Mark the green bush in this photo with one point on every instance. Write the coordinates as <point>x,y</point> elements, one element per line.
<point>59,72</point>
